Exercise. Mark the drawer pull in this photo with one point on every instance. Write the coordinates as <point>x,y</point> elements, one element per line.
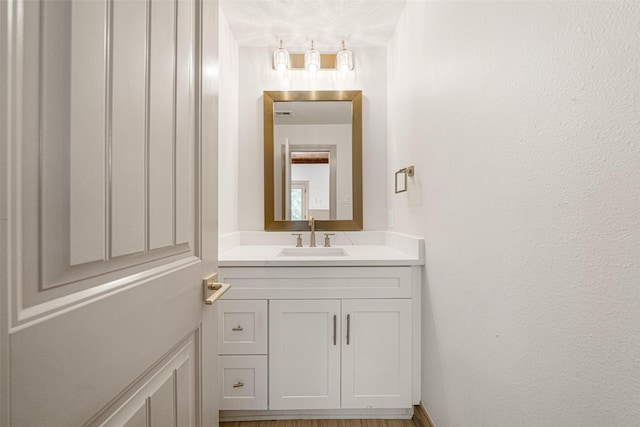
<point>238,385</point>
<point>238,328</point>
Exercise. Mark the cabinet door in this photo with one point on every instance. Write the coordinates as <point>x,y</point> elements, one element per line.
<point>304,354</point>
<point>376,353</point>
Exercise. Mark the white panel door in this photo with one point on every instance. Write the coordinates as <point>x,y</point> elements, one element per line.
<point>376,353</point>
<point>304,354</point>
<point>108,207</point>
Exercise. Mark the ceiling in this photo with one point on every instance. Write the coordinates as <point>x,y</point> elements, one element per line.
<point>361,23</point>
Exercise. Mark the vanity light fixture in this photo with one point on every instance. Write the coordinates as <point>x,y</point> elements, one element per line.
<point>344,59</point>
<point>312,59</point>
<point>281,59</point>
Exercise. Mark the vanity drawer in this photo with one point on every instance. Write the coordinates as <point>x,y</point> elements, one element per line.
<point>242,327</point>
<point>319,282</point>
<point>243,381</point>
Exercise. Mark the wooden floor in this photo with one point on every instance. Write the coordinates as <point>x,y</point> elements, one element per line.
<point>322,423</point>
<point>420,419</point>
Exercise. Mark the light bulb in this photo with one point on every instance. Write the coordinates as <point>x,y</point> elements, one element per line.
<point>312,59</point>
<point>344,60</point>
<point>280,59</point>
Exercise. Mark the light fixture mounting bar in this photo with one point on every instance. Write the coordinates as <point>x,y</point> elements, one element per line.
<point>327,61</point>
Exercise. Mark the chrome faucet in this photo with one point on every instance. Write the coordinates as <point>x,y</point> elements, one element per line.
<point>312,224</point>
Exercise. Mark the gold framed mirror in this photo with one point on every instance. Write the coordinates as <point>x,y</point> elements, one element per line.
<point>312,160</point>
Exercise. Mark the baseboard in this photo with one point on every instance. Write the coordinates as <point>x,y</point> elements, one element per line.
<point>317,414</point>
<point>421,417</point>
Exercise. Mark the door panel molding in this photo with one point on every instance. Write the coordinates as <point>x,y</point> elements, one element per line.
<point>78,273</point>
<point>33,315</point>
<point>174,374</point>
<point>108,220</point>
<point>62,116</point>
<point>91,353</point>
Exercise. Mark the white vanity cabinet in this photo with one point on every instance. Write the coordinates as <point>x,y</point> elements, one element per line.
<point>340,338</point>
<point>340,354</point>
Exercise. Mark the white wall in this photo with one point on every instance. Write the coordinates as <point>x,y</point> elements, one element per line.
<point>523,122</point>
<point>228,131</point>
<point>256,76</point>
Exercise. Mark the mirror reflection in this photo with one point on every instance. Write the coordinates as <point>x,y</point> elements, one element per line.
<point>313,160</point>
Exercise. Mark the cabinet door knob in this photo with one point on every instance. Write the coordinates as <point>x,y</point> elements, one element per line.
<point>238,384</point>
<point>237,328</point>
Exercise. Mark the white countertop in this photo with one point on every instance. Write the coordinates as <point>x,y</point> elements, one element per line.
<point>381,249</point>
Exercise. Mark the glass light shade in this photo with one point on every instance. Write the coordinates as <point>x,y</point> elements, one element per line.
<point>344,60</point>
<point>312,59</point>
<point>280,59</point>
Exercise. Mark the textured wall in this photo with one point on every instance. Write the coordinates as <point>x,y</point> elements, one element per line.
<point>256,76</point>
<point>523,122</point>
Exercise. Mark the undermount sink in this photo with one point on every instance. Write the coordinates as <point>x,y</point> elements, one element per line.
<point>307,252</point>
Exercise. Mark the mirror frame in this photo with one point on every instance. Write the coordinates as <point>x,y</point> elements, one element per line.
<point>269,98</point>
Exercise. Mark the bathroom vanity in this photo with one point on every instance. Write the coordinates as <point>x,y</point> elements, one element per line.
<point>322,332</point>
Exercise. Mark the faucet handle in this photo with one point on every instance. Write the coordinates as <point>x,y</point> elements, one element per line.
<point>298,240</point>
<point>327,241</point>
